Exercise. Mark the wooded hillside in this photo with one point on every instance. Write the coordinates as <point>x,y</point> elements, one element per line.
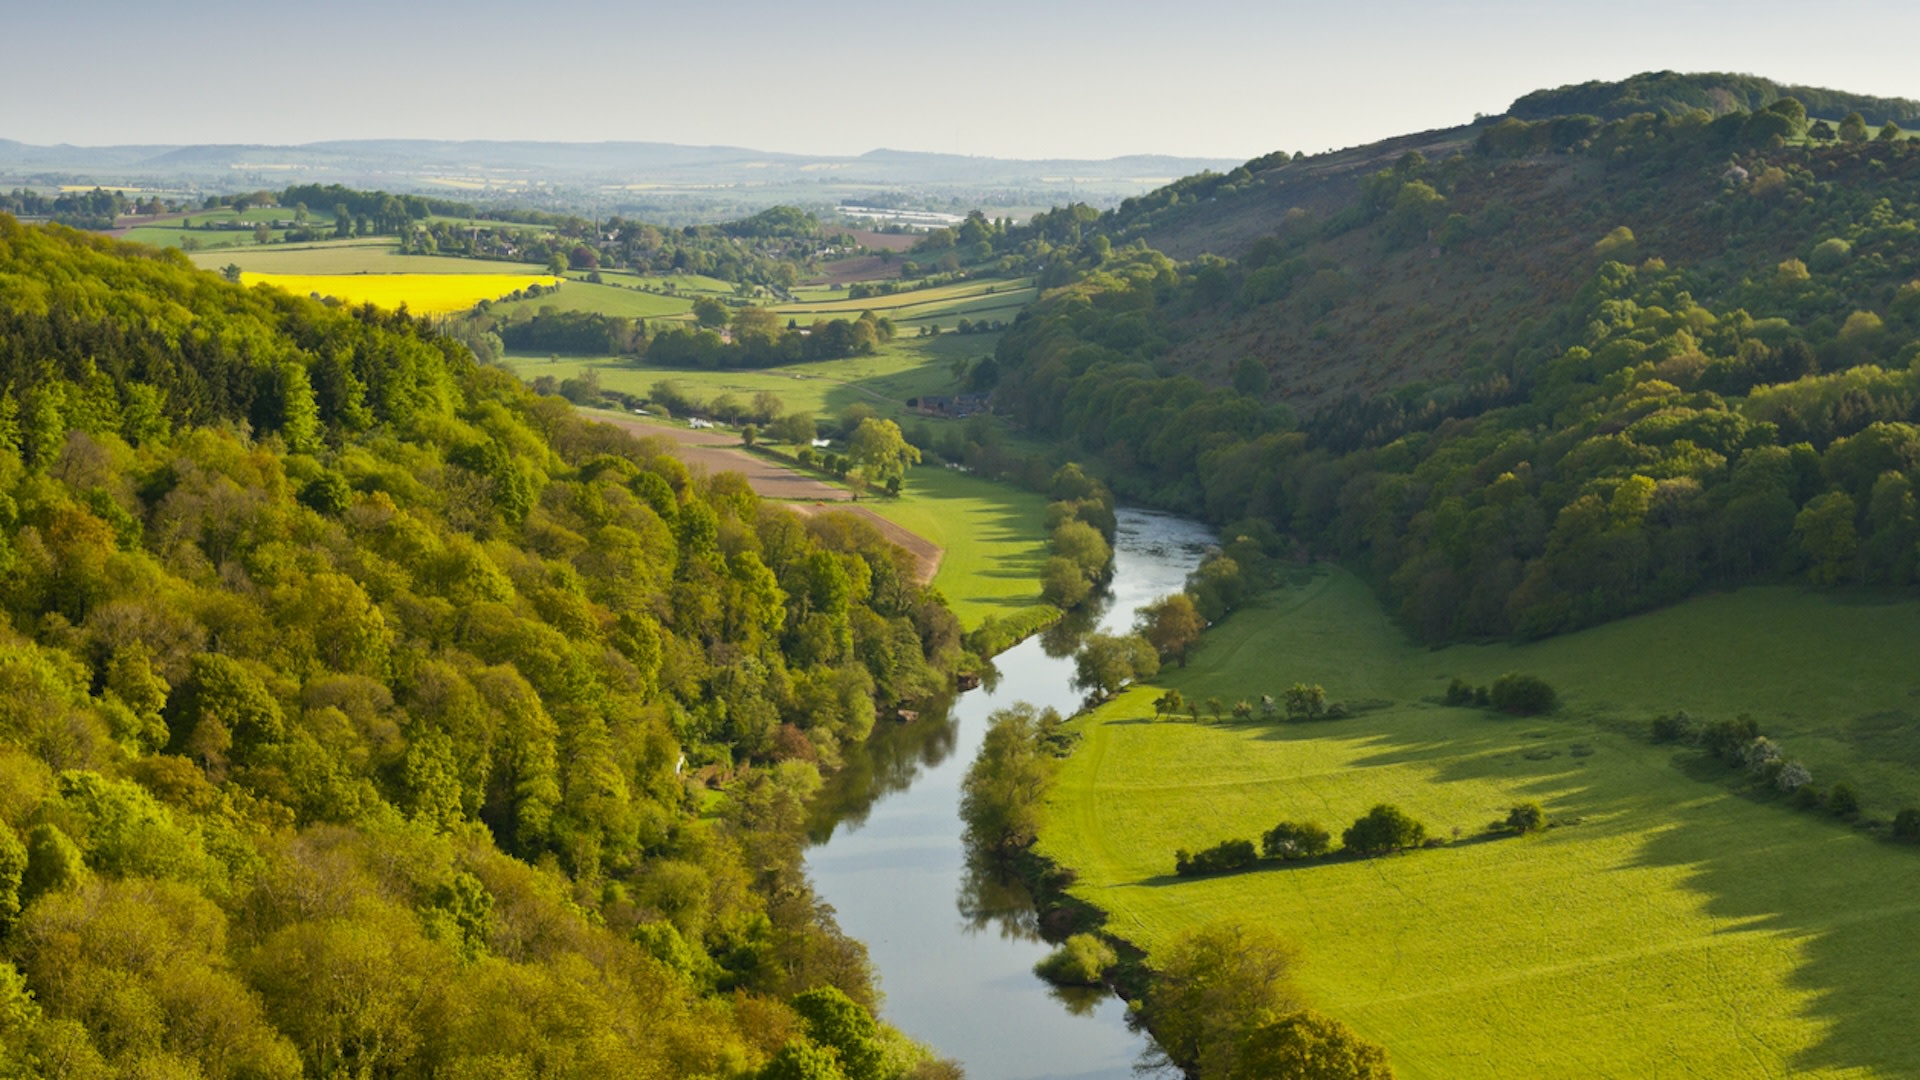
<point>350,695</point>
<point>1572,370</point>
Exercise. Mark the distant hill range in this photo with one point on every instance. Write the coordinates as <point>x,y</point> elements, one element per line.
<point>638,172</point>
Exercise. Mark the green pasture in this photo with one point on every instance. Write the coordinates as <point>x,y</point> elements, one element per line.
<point>946,304</point>
<point>994,536</point>
<point>1673,925</point>
<point>163,236</point>
<point>607,299</point>
<point>903,368</point>
<point>358,256</point>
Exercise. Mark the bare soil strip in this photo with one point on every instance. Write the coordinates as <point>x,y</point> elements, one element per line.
<point>715,451</point>
<point>926,554</point>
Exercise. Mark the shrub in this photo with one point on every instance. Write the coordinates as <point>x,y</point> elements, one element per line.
<point>1906,824</point>
<point>1220,858</point>
<point>1792,777</point>
<point>1842,802</point>
<point>1760,753</point>
<point>1522,695</point>
<point>1459,693</point>
<point>1679,727</point>
<point>1728,738</point>
<point>1526,818</point>
<point>1305,702</point>
<point>1081,960</point>
<point>1292,840</point>
<point>1306,1044</point>
<point>1384,829</point>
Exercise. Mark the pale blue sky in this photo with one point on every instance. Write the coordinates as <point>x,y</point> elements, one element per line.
<point>1008,78</point>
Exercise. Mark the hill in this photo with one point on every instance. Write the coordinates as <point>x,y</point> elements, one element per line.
<point>1570,369</point>
<point>663,181</point>
<point>1717,93</point>
<point>352,699</point>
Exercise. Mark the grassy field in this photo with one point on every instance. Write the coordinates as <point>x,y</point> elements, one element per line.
<point>1679,928</point>
<point>423,294</point>
<point>904,368</point>
<point>946,304</point>
<point>607,299</point>
<point>994,536</point>
<point>359,256</point>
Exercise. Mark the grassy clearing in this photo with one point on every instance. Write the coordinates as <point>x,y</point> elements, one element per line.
<point>994,536</point>
<point>1680,928</point>
<point>423,294</point>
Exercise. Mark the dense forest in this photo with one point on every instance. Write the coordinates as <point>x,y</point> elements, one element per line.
<point>1719,387</point>
<point>352,696</point>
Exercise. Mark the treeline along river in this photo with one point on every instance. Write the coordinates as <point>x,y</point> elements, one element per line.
<point>955,953</point>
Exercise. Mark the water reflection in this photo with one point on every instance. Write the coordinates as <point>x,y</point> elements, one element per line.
<point>893,758</point>
<point>888,856</point>
<point>1061,640</point>
<point>993,897</point>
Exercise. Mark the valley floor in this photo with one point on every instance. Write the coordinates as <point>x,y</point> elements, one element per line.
<point>1673,924</point>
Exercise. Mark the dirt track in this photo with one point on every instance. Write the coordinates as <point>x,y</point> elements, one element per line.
<point>926,554</point>
<point>714,451</point>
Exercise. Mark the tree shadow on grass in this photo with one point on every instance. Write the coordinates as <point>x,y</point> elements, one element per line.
<point>1851,902</point>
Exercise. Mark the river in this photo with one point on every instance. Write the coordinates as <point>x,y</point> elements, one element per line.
<point>955,957</point>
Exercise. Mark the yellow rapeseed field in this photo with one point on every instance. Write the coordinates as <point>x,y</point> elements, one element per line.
<point>424,294</point>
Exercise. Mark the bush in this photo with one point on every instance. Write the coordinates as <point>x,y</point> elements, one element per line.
<point>1842,802</point>
<point>1792,777</point>
<point>1527,818</point>
<point>1292,840</point>
<point>1305,702</point>
<point>1678,727</point>
<point>1906,825</point>
<point>1222,857</point>
<point>1729,738</point>
<point>1081,960</point>
<point>1459,693</point>
<point>1384,829</point>
<point>1522,695</point>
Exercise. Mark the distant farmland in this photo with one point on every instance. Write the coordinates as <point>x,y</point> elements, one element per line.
<point>423,294</point>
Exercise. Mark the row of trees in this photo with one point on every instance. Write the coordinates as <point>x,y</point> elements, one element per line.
<point>1380,831</point>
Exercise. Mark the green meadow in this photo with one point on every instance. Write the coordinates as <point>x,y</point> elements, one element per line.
<point>1673,924</point>
<point>984,298</point>
<point>994,536</point>
<point>607,299</point>
<point>904,368</point>
<point>358,256</point>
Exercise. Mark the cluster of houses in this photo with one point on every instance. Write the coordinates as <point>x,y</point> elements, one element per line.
<point>956,407</point>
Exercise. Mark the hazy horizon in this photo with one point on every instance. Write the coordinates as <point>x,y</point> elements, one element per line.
<point>1065,79</point>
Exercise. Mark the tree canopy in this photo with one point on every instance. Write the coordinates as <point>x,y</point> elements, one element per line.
<point>355,699</point>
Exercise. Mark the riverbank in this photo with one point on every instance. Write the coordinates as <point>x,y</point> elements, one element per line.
<point>1743,937</point>
<point>955,952</point>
